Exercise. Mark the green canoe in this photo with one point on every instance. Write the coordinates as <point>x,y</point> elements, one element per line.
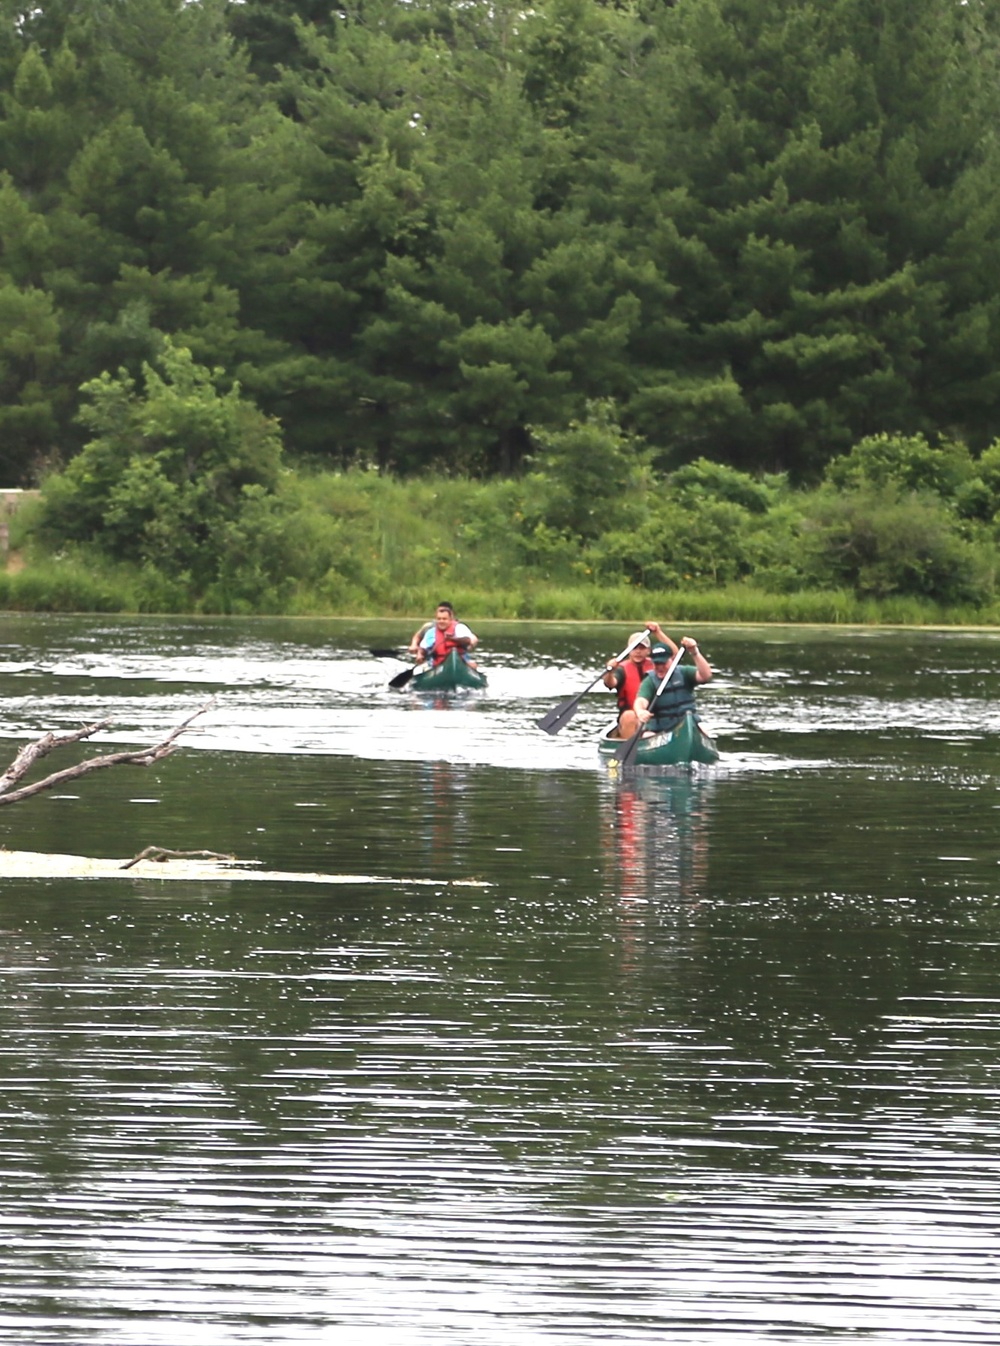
<point>454,672</point>
<point>687,742</point>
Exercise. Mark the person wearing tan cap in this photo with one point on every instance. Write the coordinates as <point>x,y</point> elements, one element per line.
<point>625,677</point>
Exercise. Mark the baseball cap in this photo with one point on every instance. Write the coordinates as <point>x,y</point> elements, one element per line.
<point>639,638</point>
<point>660,654</point>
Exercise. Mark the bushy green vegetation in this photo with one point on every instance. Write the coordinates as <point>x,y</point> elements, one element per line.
<point>182,500</point>
<point>178,480</point>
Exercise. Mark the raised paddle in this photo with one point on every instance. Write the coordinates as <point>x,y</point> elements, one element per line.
<point>626,752</point>
<point>562,714</point>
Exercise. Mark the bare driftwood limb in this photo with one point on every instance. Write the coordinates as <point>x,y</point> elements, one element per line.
<point>162,853</point>
<point>34,752</point>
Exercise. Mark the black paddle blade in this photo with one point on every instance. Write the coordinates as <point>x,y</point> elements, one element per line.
<point>401,679</point>
<point>560,715</point>
<point>386,654</point>
<point>626,752</point>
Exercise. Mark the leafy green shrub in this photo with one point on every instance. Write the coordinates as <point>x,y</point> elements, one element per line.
<point>695,546</point>
<point>777,563</point>
<point>988,479</point>
<point>554,555</point>
<point>168,472</point>
<point>702,540</point>
<point>588,478</point>
<point>907,462</point>
<point>705,480</point>
<point>882,542</point>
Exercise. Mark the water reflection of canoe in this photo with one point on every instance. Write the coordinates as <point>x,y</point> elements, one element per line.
<point>687,742</point>
<point>453,672</point>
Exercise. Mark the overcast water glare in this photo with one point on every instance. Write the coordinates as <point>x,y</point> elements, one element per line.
<point>701,1056</point>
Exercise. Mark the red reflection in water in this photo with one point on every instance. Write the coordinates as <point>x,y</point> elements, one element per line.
<point>656,840</point>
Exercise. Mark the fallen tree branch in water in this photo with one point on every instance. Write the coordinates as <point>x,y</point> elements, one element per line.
<point>45,865</point>
<point>162,853</point>
<point>34,752</point>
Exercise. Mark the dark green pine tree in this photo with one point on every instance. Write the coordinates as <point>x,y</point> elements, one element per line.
<point>461,292</point>
<point>460,327</point>
<point>353,138</point>
<point>137,151</point>
<point>37,142</point>
<point>821,197</point>
<point>268,29</point>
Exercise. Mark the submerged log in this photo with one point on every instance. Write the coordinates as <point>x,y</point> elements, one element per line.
<point>44,865</point>
<point>34,752</point>
<point>162,853</point>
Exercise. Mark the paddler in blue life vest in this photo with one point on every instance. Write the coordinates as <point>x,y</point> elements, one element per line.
<point>625,677</point>
<point>435,640</point>
<point>677,698</point>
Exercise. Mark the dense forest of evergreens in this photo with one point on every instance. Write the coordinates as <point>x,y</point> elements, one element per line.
<point>590,240</point>
<point>413,229</point>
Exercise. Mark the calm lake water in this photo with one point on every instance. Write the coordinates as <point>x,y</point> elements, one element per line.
<point>705,1058</point>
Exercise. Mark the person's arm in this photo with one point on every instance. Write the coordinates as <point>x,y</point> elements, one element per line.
<point>418,636</point>
<point>613,675</point>
<point>426,642</point>
<point>647,691</point>
<point>464,637</point>
<point>660,636</point>
<point>703,668</point>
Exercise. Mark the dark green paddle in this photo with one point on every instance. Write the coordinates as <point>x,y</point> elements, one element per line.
<point>561,715</point>
<point>626,752</point>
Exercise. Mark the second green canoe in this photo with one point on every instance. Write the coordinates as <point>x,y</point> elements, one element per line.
<point>454,672</point>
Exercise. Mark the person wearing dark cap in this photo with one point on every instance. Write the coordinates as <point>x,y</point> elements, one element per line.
<point>625,677</point>
<point>677,699</point>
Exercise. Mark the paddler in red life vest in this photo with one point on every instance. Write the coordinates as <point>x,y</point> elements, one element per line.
<point>436,640</point>
<point>625,677</point>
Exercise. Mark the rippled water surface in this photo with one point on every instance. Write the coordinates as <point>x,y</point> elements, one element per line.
<point>704,1058</point>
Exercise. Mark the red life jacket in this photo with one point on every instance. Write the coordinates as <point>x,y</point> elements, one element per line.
<point>444,643</point>
<point>629,687</point>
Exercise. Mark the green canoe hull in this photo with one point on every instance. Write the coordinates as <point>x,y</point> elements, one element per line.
<point>687,742</point>
<point>453,673</point>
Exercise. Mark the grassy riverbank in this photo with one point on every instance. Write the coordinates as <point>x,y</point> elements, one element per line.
<point>362,545</point>
<point>68,584</point>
